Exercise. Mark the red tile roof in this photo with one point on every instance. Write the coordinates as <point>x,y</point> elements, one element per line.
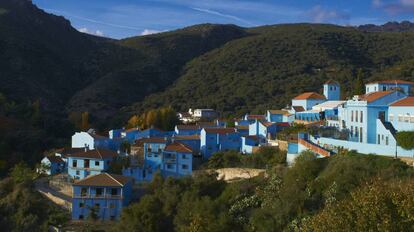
<point>187,137</point>
<point>55,159</point>
<point>409,101</point>
<point>267,124</point>
<point>103,180</point>
<point>392,82</point>
<point>283,112</point>
<point>188,127</point>
<point>309,95</point>
<point>220,130</point>
<point>95,154</point>
<point>178,147</point>
<point>373,96</point>
<point>298,108</point>
<point>151,140</point>
<point>256,116</point>
<point>283,124</point>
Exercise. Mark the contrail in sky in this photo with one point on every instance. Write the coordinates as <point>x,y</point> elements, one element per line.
<point>223,15</point>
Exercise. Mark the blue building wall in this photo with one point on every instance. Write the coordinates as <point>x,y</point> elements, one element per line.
<point>96,166</point>
<point>307,104</point>
<point>109,207</point>
<point>402,117</point>
<point>332,92</point>
<point>377,87</point>
<point>211,143</point>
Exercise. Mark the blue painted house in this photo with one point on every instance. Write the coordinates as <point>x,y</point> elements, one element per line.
<point>52,165</point>
<point>89,162</point>
<point>308,100</point>
<point>187,129</point>
<point>279,116</point>
<point>251,143</point>
<point>387,85</point>
<point>105,194</point>
<point>177,160</point>
<point>193,141</point>
<point>263,129</point>
<point>218,139</point>
<point>92,141</point>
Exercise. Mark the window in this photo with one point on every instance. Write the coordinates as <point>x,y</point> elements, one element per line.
<point>114,192</point>
<point>379,139</point>
<point>97,205</point>
<point>412,119</point>
<point>352,115</point>
<point>84,191</point>
<point>384,88</point>
<point>98,192</point>
<point>74,163</point>
<point>97,163</point>
<point>375,88</point>
<point>352,131</point>
<point>407,118</point>
<point>400,118</point>
<point>155,155</point>
<point>362,116</point>
<point>360,134</point>
<point>356,116</point>
<point>331,88</point>
<point>184,156</point>
<point>184,166</point>
<point>77,173</point>
<point>367,90</point>
<point>80,217</point>
<point>169,166</point>
<point>386,140</point>
<point>108,162</point>
<point>391,117</point>
<point>112,205</point>
<point>81,205</point>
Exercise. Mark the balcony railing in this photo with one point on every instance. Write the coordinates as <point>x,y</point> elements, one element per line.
<point>102,196</point>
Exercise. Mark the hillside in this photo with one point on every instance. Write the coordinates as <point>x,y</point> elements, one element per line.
<point>268,69</point>
<point>165,55</point>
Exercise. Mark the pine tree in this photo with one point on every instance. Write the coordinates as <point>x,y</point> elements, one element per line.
<point>359,83</point>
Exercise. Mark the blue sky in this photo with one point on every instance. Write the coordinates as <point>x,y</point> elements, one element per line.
<point>125,18</point>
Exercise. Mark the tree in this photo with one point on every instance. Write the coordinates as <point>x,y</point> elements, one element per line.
<point>85,121</point>
<point>359,83</point>
<point>21,173</point>
<point>405,139</point>
<point>134,121</point>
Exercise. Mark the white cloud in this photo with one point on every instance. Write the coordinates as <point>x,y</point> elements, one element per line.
<point>319,14</point>
<point>87,31</point>
<point>149,32</point>
<point>223,15</point>
<point>395,7</point>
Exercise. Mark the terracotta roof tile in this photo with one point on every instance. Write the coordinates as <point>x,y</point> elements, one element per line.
<point>151,140</point>
<point>298,108</point>
<point>55,159</point>
<point>309,95</point>
<point>267,124</point>
<point>95,154</point>
<point>178,147</point>
<point>283,112</point>
<point>220,130</point>
<point>188,127</point>
<point>187,137</point>
<point>256,116</point>
<point>103,180</point>
<point>409,101</point>
<point>373,96</point>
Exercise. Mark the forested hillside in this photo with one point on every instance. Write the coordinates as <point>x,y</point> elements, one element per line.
<point>268,69</point>
<point>54,74</point>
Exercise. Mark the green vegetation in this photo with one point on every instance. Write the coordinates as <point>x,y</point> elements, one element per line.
<point>265,70</point>
<point>405,139</point>
<point>300,198</point>
<point>264,158</point>
<point>24,209</point>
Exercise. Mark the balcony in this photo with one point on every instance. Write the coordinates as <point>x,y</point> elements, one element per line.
<point>94,196</point>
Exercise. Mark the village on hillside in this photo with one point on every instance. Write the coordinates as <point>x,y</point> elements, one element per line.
<point>322,123</point>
